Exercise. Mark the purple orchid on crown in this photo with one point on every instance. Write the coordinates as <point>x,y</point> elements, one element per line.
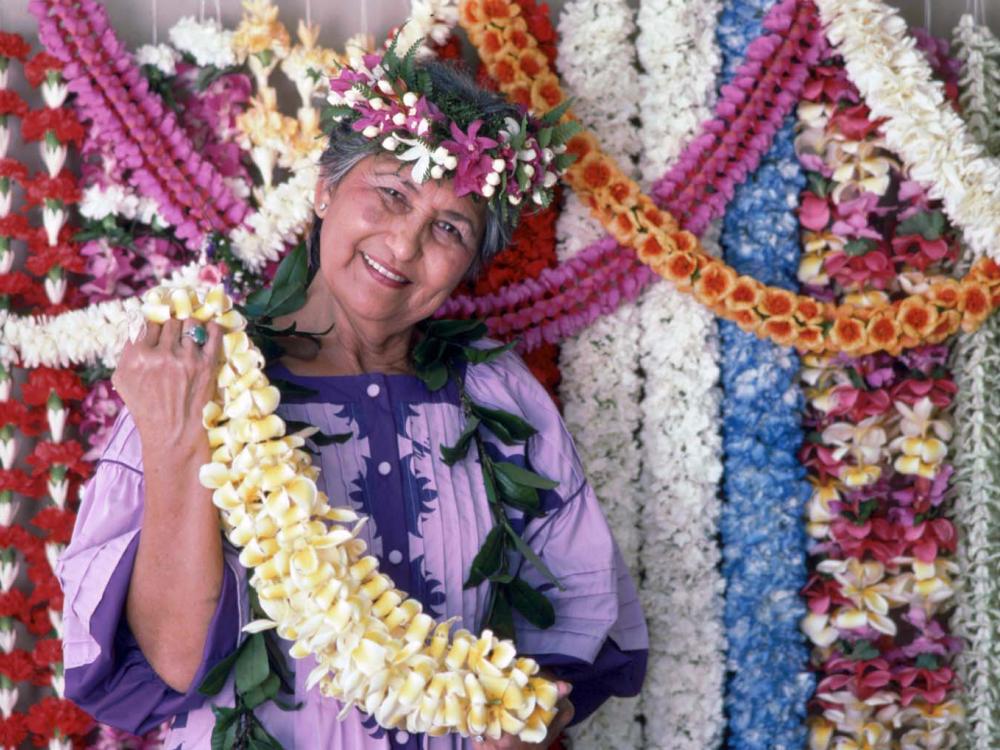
<point>501,159</point>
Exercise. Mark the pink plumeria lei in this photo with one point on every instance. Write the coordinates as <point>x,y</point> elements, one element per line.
<point>501,159</point>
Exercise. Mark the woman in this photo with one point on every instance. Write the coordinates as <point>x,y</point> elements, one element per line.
<point>155,597</point>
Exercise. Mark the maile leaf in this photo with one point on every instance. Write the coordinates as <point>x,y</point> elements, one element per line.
<point>488,560</point>
<point>455,453</point>
<point>510,428</point>
<point>525,476</point>
<point>530,556</point>
<point>531,603</point>
<point>251,665</point>
<point>263,692</point>
<point>217,675</point>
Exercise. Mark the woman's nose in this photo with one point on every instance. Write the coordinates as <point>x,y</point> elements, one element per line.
<point>405,238</point>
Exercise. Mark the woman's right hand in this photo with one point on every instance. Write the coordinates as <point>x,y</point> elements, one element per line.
<point>165,379</point>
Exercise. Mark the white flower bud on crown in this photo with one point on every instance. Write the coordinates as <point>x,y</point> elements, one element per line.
<point>440,154</point>
<point>390,143</point>
<point>526,154</point>
<point>384,86</point>
<point>351,96</point>
<point>550,179</point>
<point>376,103</point>
<point>488,190</point>
<point>529,170</point>
<point>410,99</point>
<point>437,172</point>
<point>513,199</point>
<point>493,179</point>
<point>499,165</point>
<point>560,149</point>
<point>370,131</point>
<point>548,155</point>
<point>538,198</point>
<point>423,126</point>
<point>399,119</point>
<point>451,162</point>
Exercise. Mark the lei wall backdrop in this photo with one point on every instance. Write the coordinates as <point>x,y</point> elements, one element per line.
<point>804,477</point>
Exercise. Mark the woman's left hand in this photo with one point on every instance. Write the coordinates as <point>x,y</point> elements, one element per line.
<point>562,718</point>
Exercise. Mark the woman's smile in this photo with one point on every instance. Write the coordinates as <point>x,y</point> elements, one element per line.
<point>384,274</point>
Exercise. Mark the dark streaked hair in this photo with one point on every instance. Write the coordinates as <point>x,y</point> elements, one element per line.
<point>345,148</point>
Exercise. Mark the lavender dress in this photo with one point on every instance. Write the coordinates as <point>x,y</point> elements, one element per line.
<point>427,523</point>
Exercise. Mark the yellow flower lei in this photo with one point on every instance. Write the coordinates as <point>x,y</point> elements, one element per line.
<point>512,56</point>
<point>374,646</point>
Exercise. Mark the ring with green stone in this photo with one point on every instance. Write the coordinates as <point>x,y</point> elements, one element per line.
<point>197,334</point>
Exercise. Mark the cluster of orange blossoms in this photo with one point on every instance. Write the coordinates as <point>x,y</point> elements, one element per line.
<point>513,57</point>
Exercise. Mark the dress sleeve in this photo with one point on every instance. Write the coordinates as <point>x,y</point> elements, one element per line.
<point>599,641</point>
<point>106,672</point>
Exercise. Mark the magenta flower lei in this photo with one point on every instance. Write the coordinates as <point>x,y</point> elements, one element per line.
<point>131,121</point>
<point>565,299</point>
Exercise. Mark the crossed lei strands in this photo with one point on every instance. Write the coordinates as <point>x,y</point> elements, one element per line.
<point>512,57</point>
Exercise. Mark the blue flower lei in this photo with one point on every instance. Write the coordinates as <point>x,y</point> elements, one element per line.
<point>764,541</point>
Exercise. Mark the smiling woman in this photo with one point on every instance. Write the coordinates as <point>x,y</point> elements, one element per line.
<point>478,507</point>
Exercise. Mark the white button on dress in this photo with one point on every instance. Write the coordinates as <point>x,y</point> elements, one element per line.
<point>374,390</point>
<point>402,736</point>
<point>396,557</point>
<point>384,468</point>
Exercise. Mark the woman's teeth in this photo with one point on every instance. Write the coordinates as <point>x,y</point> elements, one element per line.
<point>384,271</point>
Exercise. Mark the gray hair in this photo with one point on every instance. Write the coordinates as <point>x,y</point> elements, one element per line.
<point>346,148</point>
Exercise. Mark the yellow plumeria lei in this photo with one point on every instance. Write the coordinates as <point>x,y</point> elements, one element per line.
<point>374,646</point>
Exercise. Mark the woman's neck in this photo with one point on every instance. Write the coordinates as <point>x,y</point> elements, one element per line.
<point>346,346</point>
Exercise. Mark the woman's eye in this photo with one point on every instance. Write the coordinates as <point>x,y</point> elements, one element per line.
<point>392,193</point>
<point>452,230</point>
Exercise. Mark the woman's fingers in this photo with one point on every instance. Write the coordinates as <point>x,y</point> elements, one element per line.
<point>213,346</point>
<point>170,336</point>
<point>152,334</point>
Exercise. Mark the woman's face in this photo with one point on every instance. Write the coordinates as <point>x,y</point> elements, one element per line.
<point>391,250</point>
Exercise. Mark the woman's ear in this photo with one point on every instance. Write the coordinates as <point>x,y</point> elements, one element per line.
<point>321,198</point>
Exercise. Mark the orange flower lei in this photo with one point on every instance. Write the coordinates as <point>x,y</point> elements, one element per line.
<point>513,57</point>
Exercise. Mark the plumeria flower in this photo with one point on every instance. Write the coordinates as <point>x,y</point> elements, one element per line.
<point>819,512</point>
<point>864,584</point>
<point>863,168</point>
<point>865,441</point>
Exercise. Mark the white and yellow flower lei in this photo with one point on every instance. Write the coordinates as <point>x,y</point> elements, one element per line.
<point>374,646</point>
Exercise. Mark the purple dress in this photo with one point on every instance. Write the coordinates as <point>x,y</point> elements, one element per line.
<point>428,520</point>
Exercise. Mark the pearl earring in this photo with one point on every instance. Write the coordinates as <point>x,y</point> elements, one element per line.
<point>322,207</point>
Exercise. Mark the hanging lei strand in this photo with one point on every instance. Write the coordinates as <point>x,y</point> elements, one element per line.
<point>881,564</point>
<point>14,416</point>
<point>975,361</point>
<point>603,357</point>
<point>799,320</point>
<point>764,551</point>
<point>682,448</point>
<point>919,126</point>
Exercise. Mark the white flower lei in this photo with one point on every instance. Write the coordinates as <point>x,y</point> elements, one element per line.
<point>93,334</point>
<point>206,41</point>
<point>979,82</point>
<point>600,384</point>
<point>976,488</point>
<point>681,443</point>
<point>429,19</point>
<point>100,201</point>
<point>163,57</point>
<point>896,82</point>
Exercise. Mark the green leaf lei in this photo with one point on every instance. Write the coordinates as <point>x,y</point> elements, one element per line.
<point>445,345</point>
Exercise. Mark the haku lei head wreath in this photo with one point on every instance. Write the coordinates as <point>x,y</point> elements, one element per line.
<point>507,162</point>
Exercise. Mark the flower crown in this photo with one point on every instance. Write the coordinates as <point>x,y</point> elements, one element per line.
<point>506,161</point>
